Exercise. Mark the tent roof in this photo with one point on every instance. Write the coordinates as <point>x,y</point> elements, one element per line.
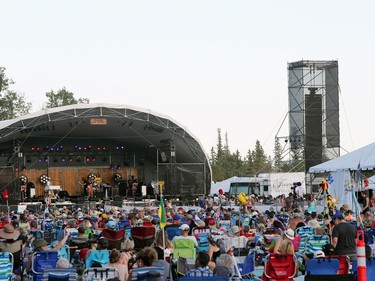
<point>138,129</point>
<point>365,157</point>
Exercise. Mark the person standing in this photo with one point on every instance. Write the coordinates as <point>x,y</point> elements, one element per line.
<point>300,192</point>
<point>344,237</point>
<point>84,183</point>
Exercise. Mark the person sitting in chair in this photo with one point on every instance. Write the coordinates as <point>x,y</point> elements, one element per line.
<point>185,235</point>
<point>201,269</point>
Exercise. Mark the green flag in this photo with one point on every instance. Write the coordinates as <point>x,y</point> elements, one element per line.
<point>161,214</point>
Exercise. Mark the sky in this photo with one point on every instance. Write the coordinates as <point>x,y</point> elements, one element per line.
<point>206,64</point>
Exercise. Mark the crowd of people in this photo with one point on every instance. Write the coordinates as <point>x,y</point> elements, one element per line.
<point>233,231</point>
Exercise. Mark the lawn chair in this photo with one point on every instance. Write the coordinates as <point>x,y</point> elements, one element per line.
<point>60,274</point>
<point>114,237</point>
<point>142,236</point>
<point>203,244</point>
<point>6,266</point>
<point>183,248</point>
<point>280,267</point>
<point>315,243</point>
<point>322,266</point>
<point>42,261</point>
<point>97,257</point>
<point>172,231</point>
<point>97,273</point>
<point>246,266</point>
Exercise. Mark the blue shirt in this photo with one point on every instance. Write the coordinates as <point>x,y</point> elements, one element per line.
<point>200,272</point>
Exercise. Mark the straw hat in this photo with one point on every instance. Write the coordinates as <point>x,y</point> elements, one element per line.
<point>9,232</point>
<point>346,207</point>
<point>289,233</point>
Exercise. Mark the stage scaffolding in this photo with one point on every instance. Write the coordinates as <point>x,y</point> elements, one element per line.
<point>314,127</point>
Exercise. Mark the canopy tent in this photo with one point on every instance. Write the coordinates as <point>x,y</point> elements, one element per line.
<point>341,183</point>
<point>363,157</point>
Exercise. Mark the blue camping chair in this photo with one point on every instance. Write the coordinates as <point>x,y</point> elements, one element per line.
<point>99,256</point>
<point>172,231</point>
<point>322,266</point>
<point>42,261</point>
<point>6,266</point>
<point>60,274</point>
<point>247,266</point>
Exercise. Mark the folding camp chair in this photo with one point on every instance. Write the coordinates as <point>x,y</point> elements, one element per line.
<point>6,266</point>
<point>114,237</point>
<point>42,261</point>
<point>315,243</point>
<point>203,244</point>
<point>283,218</point>
<point>280,267</point>
<point>183,247</point>
<point>97,256</point>
<point>322,266</point>
<point>304,232</point>
<point>142,236</point>
<point>172,231</point>
<point>245,266</point>
<point>60,274</point>
<point>98,274</point>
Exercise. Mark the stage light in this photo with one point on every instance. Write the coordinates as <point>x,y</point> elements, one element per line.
<point>23,167</point>
<point>40,160</point>
<point>63,159</point>
<point>16,169</point>
<point>112,167</point>
<point>118,167</point>
<point>98,148</point>
<point>70,159</point>
<point>46,159</point>
<point>87,159</point>
<point>93,159</point>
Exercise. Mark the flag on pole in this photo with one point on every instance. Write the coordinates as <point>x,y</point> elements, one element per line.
<point>161,213</point>
<point>5,194</point>
<point>358,174</point>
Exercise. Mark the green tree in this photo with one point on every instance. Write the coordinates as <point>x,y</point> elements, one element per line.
<point>12,104</point>
<point>260,159</point>
<point>278,157</point>
<point>62,97</point>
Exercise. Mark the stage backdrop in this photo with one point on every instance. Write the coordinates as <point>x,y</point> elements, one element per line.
<point>68,178</point>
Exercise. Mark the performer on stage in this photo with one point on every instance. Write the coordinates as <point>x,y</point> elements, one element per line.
<point>90,189</point>
<point>84,184</point>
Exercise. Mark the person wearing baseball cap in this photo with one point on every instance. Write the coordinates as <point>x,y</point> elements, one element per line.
<point>185,234</point>
<point>343,237</point>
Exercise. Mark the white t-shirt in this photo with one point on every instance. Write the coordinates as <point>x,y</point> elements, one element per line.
<point>300,191</point>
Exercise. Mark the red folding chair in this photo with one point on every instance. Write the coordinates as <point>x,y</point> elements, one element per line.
<point>142,236</point>
<point>279,267</point>
<point>115,237</point>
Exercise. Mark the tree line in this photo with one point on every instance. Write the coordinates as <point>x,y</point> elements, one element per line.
<point>226,164</point>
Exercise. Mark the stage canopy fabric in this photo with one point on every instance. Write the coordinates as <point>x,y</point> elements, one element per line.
<point>140,136</point>
<point>362,158</point>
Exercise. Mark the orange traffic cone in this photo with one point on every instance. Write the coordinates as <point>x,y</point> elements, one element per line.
<point>361,256</point>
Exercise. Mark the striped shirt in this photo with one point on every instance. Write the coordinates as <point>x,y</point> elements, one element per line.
<point>200,272</point>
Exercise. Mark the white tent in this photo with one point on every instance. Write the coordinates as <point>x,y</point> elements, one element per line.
<point>341,184</point>
<point>363,157</point>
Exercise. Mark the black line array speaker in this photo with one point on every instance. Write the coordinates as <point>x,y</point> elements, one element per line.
<point>313,129</point>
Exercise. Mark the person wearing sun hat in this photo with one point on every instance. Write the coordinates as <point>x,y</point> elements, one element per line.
<point>287,234</point>
<point>11,242</point>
